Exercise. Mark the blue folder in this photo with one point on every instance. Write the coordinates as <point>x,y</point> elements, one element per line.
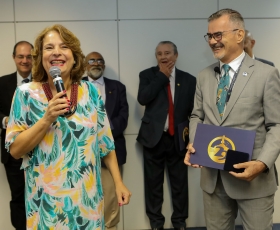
<point>211,144</point>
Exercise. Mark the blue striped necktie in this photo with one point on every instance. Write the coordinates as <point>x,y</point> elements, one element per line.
<point>222,90</point>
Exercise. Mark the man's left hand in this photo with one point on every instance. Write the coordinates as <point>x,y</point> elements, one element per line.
<point>252,170</point>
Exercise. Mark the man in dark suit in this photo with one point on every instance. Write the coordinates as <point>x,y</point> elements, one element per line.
<point>15,176</point>
<point>114,96</point>
<point>168,94</point>
<point>249,43</point>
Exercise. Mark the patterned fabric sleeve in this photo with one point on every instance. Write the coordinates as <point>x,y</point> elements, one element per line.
<point>18,118</point>
<point>105,137</point>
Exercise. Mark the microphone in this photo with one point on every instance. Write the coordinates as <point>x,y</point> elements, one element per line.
<point>217,70</point>
<point>55,73</point>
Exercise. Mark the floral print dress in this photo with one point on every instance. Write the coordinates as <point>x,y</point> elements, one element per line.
<point>62,174</point>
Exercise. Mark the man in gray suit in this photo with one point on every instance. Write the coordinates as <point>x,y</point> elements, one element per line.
<point>249,43</point>
<point>251,106</point>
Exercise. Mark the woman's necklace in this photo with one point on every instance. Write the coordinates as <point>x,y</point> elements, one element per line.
<point>73,98</point>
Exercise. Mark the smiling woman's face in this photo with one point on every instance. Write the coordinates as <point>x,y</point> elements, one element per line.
<point>56,53</point>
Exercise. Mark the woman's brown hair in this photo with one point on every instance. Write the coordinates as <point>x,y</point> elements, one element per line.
<point>39,74</point>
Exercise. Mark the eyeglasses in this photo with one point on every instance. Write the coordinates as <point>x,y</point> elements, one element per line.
<point>217,36</point>
<point>98,61</point>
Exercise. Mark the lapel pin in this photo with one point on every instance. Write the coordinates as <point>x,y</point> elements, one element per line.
<point>245,74</point>
<point>178,84</point>
<point>110,92</point>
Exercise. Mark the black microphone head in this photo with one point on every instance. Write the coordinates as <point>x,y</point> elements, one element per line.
<point>54,71</point>
<point>217,70</point>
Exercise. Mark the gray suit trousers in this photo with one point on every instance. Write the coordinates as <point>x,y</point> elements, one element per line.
<point>221,210</point>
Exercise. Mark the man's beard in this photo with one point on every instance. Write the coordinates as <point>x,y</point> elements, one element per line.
<point>220,55</point>
<point>95,72</point>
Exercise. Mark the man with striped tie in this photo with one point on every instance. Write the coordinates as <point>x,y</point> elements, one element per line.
<point>238,92</point>
<point>15,176</point>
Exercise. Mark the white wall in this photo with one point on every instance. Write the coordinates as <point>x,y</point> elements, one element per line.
<point>126,32</point>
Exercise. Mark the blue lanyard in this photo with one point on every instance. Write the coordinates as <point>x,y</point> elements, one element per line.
<point>233,81</point>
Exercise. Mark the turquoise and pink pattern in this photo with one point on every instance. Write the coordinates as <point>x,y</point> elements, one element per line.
<point>62,174</point>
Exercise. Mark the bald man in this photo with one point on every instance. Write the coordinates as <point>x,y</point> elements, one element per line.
<point>114,96</point>
<point>249,43</point>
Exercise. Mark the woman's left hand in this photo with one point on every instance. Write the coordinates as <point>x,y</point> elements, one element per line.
<point>123,194</point>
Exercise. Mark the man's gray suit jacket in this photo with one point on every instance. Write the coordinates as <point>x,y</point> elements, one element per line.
<point>253,105</point>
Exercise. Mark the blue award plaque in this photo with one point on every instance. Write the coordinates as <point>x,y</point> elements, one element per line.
<point>211,144</point>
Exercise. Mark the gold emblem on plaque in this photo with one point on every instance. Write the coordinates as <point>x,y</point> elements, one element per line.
<point>218,147</point>
<point>185,133</point>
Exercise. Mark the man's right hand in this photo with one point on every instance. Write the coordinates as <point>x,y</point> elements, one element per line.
<point>166,68</point>
<point>190,151</point>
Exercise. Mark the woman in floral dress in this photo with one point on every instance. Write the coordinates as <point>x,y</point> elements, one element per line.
<point>62,153</point>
